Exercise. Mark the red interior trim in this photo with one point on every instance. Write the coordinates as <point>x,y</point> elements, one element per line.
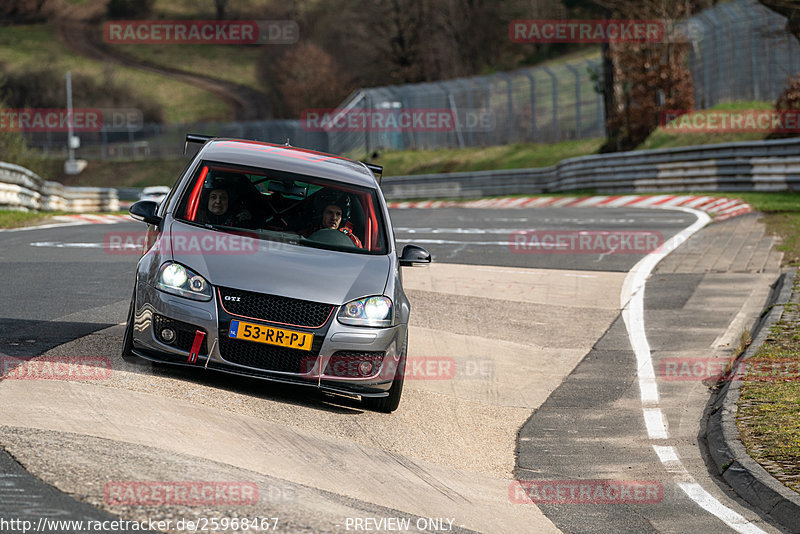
<point>194,200</point>
<point>372,226</point>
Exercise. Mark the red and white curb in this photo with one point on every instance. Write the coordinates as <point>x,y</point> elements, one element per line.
<point>722,208</point>
<point>92,219</point>
<point>60,221</point>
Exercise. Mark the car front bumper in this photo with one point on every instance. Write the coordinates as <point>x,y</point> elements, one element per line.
<point>329,366</point>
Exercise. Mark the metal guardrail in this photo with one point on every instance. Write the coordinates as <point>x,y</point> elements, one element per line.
<point>741,166</point>
<point>21,188</point>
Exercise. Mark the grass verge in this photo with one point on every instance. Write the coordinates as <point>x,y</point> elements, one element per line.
<point>18,219</point>
<point>666,138</point>
<point>769,404</point>
<point>516,156</point>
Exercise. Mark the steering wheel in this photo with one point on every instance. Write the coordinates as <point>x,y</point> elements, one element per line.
<point>329,236</point>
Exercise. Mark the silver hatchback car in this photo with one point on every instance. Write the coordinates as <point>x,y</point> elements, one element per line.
<point>274,262</point>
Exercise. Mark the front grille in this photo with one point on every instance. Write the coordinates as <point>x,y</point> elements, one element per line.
<point>184,333</point>
<point>345,363</point>
<point>268,357</point>
<point>274,308</point>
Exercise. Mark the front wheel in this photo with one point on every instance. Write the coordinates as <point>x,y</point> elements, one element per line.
<point>392,401</point>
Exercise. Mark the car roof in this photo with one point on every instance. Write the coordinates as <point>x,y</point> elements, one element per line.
<point>287,158</point>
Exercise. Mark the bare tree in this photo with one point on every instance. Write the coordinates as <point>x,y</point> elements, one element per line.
<point>220,5</point>
<point>649,77</point>
<point>789,9</point>
<point>308,77</point>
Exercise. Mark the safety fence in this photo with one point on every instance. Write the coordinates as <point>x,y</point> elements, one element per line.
<point>739,51</point>
<point>742,166</point>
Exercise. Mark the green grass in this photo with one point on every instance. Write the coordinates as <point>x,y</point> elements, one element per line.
<point>139,173</point>
<point>233,63</point>
<point>36,45</point>
<point>18,219</point>
<point>663,138</point>
<point>769,410</point>
<point>520,155</point>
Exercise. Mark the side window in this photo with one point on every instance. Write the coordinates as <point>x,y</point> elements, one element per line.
<point>162,208</point>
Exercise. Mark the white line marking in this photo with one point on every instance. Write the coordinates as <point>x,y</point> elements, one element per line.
<point>472,231</point>
<point>44,226</point>
<point>632,303</point>
<point>481,243</point>
<point>654,421</point>
<point>56,244</point>
<point>667,455</point>
<point>712,505</point>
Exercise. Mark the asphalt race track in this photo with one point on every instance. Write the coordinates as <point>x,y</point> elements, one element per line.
<point>547,388</point>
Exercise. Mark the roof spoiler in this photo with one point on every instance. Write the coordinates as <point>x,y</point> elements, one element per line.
<point>377,169</point>
<point>195,138</point>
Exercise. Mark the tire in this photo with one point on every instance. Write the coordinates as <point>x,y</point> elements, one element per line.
<point>127,339</point>
<point>392,401</point>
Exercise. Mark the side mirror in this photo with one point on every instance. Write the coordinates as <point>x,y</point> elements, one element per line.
<point>413,254</point>
<point>145,211</point>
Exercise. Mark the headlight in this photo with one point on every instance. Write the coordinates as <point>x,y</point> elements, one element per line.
<point>371,311</point>
<point>176,279</point>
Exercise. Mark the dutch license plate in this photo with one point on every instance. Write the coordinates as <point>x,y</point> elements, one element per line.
<point>270,335</point>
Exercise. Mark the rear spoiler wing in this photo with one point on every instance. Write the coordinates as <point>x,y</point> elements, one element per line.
<point>201,139</point>
<point>376,169</point>
<point>195,138</point>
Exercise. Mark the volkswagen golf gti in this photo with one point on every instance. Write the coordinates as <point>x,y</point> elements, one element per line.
<point>274,262</point>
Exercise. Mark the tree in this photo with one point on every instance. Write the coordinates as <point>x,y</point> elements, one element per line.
<point>308,77</point>
<point>220,5</point>
<point>24,10</point>
<point>649,77</point>
<point>789,9</point>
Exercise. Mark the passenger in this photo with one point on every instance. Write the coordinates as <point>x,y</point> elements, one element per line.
<point>219,210</point>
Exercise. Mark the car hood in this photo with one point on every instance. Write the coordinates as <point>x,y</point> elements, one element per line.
<point>293,271</point>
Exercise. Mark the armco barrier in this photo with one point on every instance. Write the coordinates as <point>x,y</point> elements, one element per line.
<point>21,188</point>
<point>742,166</point>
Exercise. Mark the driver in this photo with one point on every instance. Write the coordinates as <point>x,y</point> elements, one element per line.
<point>335,208</point>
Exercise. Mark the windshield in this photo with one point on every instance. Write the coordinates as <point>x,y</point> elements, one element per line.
<point>282,206</point>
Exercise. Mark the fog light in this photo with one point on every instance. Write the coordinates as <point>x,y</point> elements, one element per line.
<point>365,368</point>
<point>168,335</point>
